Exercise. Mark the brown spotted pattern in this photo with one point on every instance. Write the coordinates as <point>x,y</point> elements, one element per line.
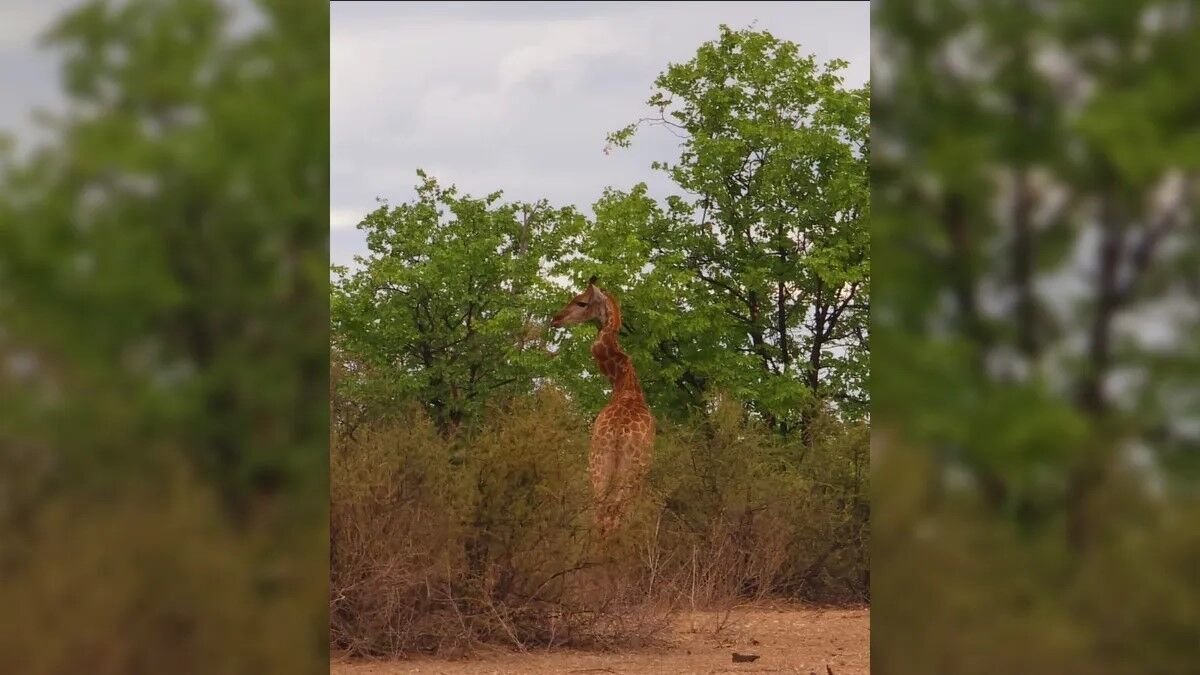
<point>623,434</point>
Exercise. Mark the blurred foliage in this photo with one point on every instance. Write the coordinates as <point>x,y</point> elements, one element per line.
<point>442,544</point>
<point>1036,407</point>
<point>162,346</point>
<point>756,283</point>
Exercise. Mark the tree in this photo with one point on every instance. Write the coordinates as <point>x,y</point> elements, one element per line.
<point>140,262</point>
<point>451,304</point>
<point>1036,178</point>
<point>665,330</point>
<point>757,284</point>
<point>1034,191</point>
<point>163,272</point>
<point>773,228</point>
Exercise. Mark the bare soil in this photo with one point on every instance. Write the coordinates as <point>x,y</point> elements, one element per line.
<point>787,639</point>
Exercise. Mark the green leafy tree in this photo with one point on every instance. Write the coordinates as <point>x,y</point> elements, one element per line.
<point>665,331</point>
<point>773,228</point>
<point>451,304</point>
<point>756,284</point>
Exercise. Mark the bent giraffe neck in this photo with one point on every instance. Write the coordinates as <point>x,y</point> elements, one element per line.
<point>612,361</point>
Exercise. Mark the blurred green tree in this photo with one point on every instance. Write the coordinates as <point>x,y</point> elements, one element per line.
<point>163,353</point>
<point>141,263</point>
<point>1057,241</point>
<point>1034,183</point>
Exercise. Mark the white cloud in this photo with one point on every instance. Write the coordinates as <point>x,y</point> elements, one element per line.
<point>449,106</point>
<point>519,96</point>
<point>345,219</point>
<point>560,50</point>
<point>21,23</point>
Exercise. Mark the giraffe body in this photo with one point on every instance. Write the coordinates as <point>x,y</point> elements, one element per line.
<point>619,460</point>
<point>623,433</point>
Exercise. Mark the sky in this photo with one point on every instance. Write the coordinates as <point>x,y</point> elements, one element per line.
<point>520,96</point>
<point>28,75</point>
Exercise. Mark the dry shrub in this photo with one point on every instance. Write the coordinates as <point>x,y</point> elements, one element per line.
<point>394,533</point>
<point>153,581</point>
<point>439,544</point>
<point>750,516</point>
<point>968,590</point>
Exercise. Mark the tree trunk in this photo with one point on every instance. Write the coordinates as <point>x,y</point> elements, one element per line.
<point>1023,259</point>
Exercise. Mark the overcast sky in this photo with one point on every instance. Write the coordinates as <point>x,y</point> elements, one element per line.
<point>519,96</point>
<point>28,75</point>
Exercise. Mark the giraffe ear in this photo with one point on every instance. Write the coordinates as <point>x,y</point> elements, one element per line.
<point>592,281</point>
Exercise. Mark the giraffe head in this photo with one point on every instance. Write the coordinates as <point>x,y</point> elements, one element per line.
<point>590,305</point>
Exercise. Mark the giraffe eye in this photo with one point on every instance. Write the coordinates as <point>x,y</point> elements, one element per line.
<point>582,304</point>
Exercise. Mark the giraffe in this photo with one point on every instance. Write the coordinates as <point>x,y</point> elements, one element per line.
<point>623,433</point>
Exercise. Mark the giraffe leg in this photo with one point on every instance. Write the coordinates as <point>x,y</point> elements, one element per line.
<point>603,473</point>
<point>626,477</point>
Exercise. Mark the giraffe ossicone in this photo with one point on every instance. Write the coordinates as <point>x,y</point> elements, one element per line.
<point>623,433</point>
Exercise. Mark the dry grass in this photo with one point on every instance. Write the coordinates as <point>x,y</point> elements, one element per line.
<point>154,580</point>
<point>444,545</point>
